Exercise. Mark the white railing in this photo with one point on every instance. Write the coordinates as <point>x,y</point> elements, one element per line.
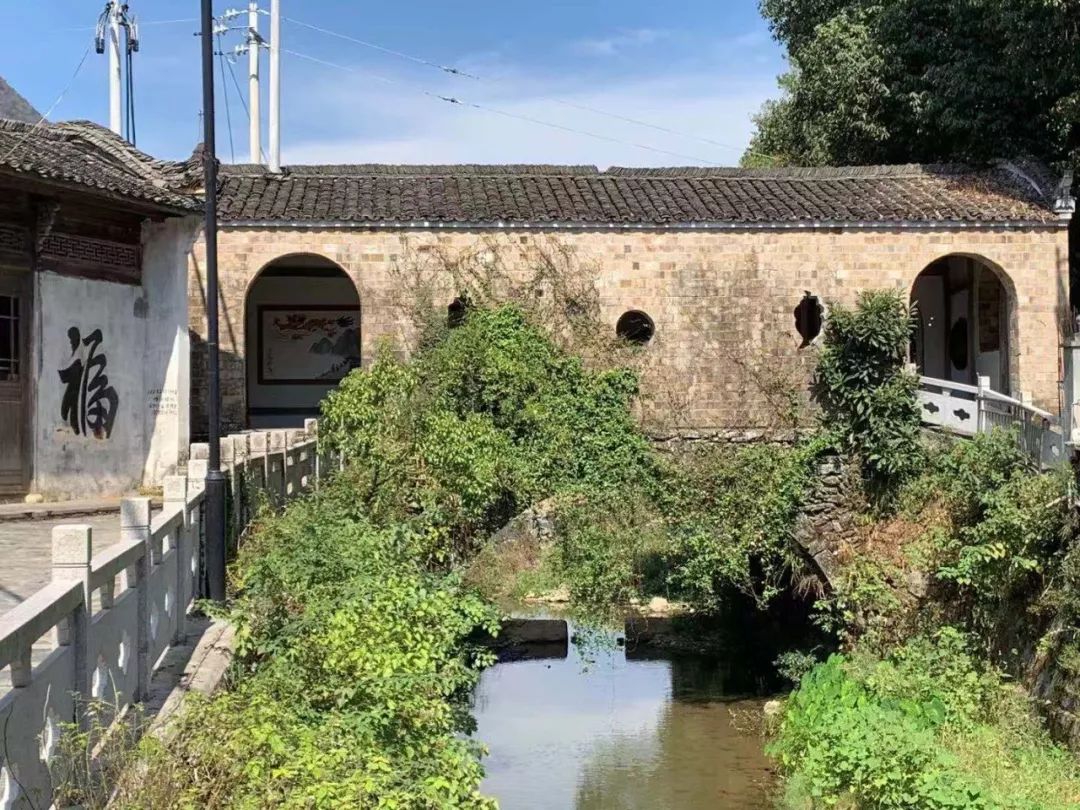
<point>971,409</point>
<point>113,614</point>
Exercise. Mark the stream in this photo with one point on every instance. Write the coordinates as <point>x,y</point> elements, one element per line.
<point>615,728</point>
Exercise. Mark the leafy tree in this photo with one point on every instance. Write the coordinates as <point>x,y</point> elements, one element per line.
<point>867,394</point>
<point>892,81</point>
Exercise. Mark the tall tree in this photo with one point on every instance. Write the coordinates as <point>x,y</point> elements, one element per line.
<point>889,81</point>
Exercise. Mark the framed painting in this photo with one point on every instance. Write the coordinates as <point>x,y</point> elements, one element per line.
<point>310,344</point>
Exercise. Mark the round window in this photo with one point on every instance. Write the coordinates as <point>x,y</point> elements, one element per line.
<point>635,327</point>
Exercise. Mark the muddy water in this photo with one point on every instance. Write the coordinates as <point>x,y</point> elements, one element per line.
<point>611,730</point>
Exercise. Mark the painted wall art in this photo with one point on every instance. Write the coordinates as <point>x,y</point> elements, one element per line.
<point>307,345</point>
<point>89,404</point>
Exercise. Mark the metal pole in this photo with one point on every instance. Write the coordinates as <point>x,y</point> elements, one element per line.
<point>215,480</point>
<point>113,45</point>
<point>254,101</point>
<point>275,85</point>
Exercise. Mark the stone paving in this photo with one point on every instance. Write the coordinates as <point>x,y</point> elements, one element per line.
<point>25,561</point>
<point>26,553</point>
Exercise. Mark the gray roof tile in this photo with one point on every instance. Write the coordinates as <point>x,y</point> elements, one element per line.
<point>583,195</point>
<point>86,156</point>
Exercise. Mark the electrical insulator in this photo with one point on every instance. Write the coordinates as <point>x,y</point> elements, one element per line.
<point>133,35</point>
<point>99,32</point>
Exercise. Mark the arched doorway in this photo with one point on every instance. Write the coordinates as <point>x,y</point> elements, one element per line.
<point>963,321</point>
<point>302,325</point>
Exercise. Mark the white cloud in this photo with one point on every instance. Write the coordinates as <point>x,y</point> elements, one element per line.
<point>426,130</point>
<point>619,41</point>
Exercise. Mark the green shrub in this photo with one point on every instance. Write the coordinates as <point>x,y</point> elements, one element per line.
<point>483,423</point>
<point>912,731</point>
<point>1002,530</point>
<point>731,513</point>
<point>612,546</point>
<point>868,397</point>
<point>353,674</point>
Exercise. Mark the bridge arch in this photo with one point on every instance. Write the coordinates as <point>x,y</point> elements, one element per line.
<point>965,322</point>
<point>302,319</point>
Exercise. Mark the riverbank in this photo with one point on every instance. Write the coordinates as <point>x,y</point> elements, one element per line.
<point>356,609</point>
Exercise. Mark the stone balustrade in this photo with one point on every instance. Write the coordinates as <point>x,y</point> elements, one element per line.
<point>113,613</point>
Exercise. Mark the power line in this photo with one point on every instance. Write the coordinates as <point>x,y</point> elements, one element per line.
<point>243,103</point>
<point>52,107</point>
<point>417,59</point>
<point>141,23</point>
<point>572,105</point>
<point>225,92</point>
<point>506,114</point>
<point>170,22</point>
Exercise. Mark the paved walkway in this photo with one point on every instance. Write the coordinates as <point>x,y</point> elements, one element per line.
<point>56,510</point>
<point>26,553</point>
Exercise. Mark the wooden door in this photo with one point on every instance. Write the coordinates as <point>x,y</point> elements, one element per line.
<point>14,383</point>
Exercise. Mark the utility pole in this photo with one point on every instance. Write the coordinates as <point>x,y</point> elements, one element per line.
<point>114,23</point>
<point>107,38</point>
<point>215,480</point>
<point>254,44</point>
<point>275,85</point>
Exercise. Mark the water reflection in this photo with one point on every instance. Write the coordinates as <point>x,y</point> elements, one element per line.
<point>612,733</point>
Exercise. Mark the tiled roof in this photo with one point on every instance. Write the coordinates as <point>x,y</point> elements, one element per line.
<point>583,195</point>
<point>89,157</point>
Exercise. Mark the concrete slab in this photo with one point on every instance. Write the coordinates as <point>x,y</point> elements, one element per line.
<point>199,666</point>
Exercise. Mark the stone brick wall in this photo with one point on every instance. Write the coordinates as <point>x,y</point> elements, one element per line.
<point>829,517</point>
<point>726,348</point>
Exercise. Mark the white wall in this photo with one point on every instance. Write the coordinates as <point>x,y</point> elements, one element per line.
<point>298,290</point>
<point>70,464</point>
<point>146,350</point>
<point>168,346</point>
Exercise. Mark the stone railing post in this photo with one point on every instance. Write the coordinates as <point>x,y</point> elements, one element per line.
<point>228,467</point>
<point>980,403</point>
<point>242,481</point>
<point>72,550</point>
<point>257,448</point>
<point>135,525</point>
<point>196,482</point>
<point>176,497</point>
<point>277,461</point>
<point>288,470</point>
<point>311,428</point>
<point>1070,410</point>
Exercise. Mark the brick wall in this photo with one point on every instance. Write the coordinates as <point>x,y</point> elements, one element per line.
<point>726,345</point>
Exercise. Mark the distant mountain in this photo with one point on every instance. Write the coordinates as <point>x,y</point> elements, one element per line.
<point>348,344</point>
<point>14,107</point>
<point>323,346</point>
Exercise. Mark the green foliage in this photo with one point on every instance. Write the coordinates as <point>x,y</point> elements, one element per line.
<point>732,513</point>
<point>863,604</point>
<point>611,547</point>
<point>489,419</point>
<point>911,731</point>
<point>495,416</point>
<point>867,395</point>
<point>93,757</point>
<point>719,522</point>
<point>353,667</point>
<point>1004,527</point>
<point>794,665</point>
<point>923,80</point>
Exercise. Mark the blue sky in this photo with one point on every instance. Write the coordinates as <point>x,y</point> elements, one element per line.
<point>701,68</point>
